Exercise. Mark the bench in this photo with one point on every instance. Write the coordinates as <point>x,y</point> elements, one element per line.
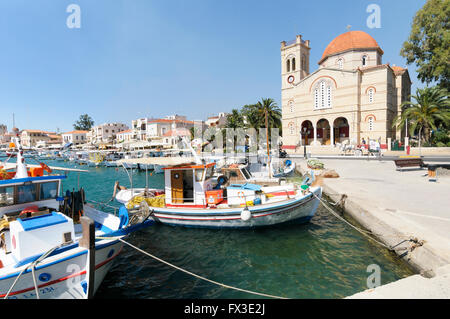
<point>409,162</point>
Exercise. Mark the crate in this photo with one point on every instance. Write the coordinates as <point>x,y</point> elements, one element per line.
<point>214,197</point>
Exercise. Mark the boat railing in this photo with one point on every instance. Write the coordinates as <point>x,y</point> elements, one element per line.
<point>205,202</point>
<point>104,206</point>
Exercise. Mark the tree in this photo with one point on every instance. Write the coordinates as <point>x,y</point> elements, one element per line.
<point>255,114</point>
<point>271,113</point>
<point>431,107</point>
<point>428,45</point>
<point>85,123</point>
<point>235,119</point>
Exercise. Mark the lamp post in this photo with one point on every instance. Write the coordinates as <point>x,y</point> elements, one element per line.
<point>305,131</point>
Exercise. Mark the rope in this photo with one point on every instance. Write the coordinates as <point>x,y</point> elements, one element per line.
<point>192,274</point>
<point>33,265</point>
<point>362,231</point>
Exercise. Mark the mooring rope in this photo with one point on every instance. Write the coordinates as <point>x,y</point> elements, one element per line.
<point>32,265</point>
<point>192,274</point>
<point>366,233</point>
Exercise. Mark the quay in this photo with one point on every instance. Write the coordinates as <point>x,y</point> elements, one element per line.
<point>403,210</point>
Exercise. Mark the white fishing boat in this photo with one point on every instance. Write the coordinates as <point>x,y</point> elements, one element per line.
<point>45,252</point>
<point>111,163</point>
<point>194,197</point>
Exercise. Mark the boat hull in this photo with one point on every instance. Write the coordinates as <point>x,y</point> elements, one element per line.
<point>62,276</point>
<point>126,195</point>
<point>299,209</point>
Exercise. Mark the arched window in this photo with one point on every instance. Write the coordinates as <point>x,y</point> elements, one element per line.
<point>293,64</point>
<point>371,92</point>
<point>291,128</point>
<point>323,95</point>
<point>370,120</point>
<point>364,60</point>
<point>291,106</point>
<point>288,65</point>
<point>340,63</point>
<point>316,98</point>
<point>328,96</point>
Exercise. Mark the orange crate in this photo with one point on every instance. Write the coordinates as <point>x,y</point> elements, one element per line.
<point>36,171</point>
<point>214,197</point>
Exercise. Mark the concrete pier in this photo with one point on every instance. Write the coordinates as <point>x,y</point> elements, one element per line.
<point>403,210</point>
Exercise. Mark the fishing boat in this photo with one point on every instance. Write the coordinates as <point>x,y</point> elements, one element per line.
<point>245,173</point>
<point>194,197</point>
<point>53,245</point>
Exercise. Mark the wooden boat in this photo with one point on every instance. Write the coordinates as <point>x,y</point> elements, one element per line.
<point>193,197</point>
<point>45,252</point>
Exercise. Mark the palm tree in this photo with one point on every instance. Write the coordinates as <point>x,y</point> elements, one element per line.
<point>235,119</point>
<point>431,106</point>
<point>265,113</point>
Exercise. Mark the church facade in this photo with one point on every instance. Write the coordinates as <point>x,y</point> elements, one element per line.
<point>351,96</point>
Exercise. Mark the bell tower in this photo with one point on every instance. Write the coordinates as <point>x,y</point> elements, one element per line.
<point>294,61</point>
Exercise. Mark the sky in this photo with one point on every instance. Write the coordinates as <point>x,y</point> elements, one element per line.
<point>131,59</point>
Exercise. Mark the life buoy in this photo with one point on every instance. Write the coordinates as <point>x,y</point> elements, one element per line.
<point>29,209</point>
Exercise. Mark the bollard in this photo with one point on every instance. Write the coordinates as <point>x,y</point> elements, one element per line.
<point>88,241</point>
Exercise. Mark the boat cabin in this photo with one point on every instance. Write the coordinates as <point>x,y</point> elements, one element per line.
<point>186,184</point>
<point>238,173</point>
<point>17,193</point>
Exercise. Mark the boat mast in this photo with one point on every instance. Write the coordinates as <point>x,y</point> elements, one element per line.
<point>21,170</point>
<point>267,140</point>
<point>189,146</point>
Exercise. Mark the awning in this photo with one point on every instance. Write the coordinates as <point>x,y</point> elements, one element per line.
<point>164,161</point>
<point>55,168</point>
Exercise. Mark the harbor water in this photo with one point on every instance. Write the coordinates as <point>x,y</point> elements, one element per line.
<point>324,258</point>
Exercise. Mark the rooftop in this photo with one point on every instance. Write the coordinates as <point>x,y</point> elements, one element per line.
<point>350,41</point>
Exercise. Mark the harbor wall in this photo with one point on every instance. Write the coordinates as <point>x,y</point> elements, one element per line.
<point>424,251</point>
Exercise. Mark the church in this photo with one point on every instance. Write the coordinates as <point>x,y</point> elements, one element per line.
<point>350,97</point>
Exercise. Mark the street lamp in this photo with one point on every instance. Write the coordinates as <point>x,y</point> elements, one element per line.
<point>305,132</point>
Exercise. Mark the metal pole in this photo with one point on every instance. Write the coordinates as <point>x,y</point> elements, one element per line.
<point>146,176</point>
<point>88,241</point>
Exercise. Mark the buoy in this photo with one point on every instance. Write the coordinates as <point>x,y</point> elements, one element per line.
<point>245,214</point>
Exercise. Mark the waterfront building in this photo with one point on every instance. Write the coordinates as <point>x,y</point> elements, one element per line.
<point>160,127</point>
<point>30,138</point>
<point>172,137</point>
<point>219,120</point>
<point>352,95</point>
<point>139,129</point>
<point>105,133</point>
<point>75,137</point>
<point>124,136</point>
<point>6,138</point>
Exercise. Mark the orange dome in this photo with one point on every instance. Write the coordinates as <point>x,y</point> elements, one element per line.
<point>349,41</point>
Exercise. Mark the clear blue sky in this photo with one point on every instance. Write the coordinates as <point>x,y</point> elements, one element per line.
<point>137,58</point>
